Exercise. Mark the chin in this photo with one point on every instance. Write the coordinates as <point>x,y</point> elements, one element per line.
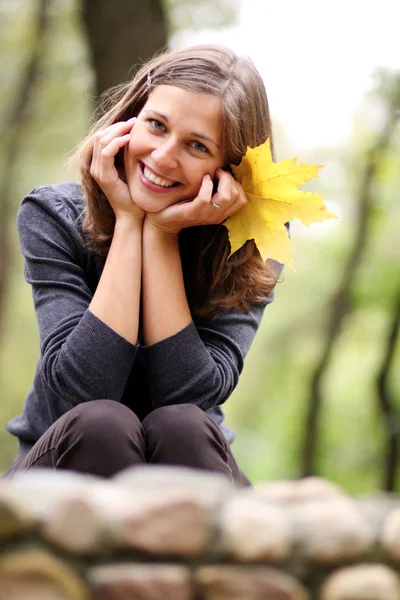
<point>151,208</point>
<point>149,204</point>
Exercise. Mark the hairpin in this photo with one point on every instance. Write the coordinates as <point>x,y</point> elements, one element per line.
<point>149,82</point>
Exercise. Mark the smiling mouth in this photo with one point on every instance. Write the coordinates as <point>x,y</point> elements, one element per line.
<point>156,179</point>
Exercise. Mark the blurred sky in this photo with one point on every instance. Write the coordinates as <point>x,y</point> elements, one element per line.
<point>316,58</point>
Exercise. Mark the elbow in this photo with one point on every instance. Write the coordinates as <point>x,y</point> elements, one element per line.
<point>75,383</point>
<point>219,388</point>
<point>56,379</point>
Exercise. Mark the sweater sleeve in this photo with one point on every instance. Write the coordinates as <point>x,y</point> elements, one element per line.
<point>201,364</point>
<point>81,357</point>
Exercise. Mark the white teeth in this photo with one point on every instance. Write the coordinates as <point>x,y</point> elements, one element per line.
<point>154,179</point>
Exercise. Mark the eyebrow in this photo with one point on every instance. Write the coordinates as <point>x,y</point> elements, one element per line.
<point>194,133</point>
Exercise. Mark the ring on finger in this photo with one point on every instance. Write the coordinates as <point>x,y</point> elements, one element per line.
<point>215,205</point>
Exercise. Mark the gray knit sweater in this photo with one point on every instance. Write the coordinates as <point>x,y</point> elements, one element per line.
<point>82,359</point>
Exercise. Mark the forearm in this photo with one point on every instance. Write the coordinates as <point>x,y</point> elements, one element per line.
<point>202,363</point>
<point>164,303</point>
<point>116,301</point>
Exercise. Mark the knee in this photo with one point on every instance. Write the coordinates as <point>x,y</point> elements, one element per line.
<point>100,420</point>
<point>177,421</point>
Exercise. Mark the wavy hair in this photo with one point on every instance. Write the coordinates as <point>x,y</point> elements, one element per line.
<point>213,281</point>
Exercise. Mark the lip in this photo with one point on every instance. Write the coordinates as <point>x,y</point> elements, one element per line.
<point>153,186</point>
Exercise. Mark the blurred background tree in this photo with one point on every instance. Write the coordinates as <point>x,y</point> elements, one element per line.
<point>320,391</point>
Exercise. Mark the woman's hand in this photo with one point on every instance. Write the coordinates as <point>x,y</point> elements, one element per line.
<point>205,209</point>
<point>107,143</point>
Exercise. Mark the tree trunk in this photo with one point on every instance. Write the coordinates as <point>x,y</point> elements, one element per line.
<point>341,301</point>
<point>14,140</point>
<point>122,34</point>
<point>387,401</point>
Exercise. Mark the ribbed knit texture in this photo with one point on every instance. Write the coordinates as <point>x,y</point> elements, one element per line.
<point>82,359</point>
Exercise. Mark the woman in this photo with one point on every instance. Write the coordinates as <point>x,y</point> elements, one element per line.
<point>144,321</point>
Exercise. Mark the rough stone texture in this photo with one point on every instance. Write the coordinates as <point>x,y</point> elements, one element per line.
<point>375,510</point>
<point>162,511</point>
<point>221,582</point>
<point>75,526</point>
<point>41,490</point>
<point>15,518</point>
<point>172,510</point>
<point>390,535</point>
<point>327,526</point>
<point>62,506</point>
<point>26,589</point>
<point>210,487</point>
<point>38,569</point>
<point>159,533</point>
<point>331,531</point>
<point>168,525</point>
<point>362,582</point>
<point>141,582</point>
<point>302,490</point>
<point>252,531</point>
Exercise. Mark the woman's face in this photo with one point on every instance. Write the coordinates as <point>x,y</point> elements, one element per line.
<point>175,141</point>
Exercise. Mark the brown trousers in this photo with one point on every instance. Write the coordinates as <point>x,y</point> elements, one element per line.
<point>103,437</point>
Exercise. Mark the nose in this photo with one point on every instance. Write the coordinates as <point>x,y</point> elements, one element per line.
<point>166,154</point>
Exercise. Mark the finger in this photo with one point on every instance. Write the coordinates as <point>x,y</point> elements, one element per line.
<point>237,205</point>
<point>227,192</point>
<point>120,124</point>
<point>104,136</point>
<point>191,212</point>
<point>118,128</point>
<point>103,163</point>
<point>205,191</point>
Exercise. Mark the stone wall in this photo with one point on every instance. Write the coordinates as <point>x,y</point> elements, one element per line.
<point>159,533</point>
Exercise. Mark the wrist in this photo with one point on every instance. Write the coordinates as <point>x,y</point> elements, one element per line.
<point>157,231</point>
<point>128,222</point>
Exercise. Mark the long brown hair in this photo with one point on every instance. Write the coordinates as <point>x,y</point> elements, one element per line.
<point>213,281</point>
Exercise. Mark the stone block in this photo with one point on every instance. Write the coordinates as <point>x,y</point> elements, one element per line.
<point>330,532</point>
<point>390,536</point>
<point>172,511</point>
<point>362,582</point>
<point>24,574</point>
<point>254,531</point>
<point>228,582</point>
<point>141,582</point>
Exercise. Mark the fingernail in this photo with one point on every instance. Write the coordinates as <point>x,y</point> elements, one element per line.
<point>131,120</point>
<point>207,177</point>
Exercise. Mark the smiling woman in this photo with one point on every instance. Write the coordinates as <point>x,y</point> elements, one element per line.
<point>144,321</point>
<point>175,142</point>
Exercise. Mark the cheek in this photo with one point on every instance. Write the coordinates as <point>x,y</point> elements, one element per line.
<point>198,172</point>
<point>131,148</point>
<point>138,139</point>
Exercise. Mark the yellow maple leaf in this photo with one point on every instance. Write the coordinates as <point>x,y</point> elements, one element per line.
<point>273,199</point>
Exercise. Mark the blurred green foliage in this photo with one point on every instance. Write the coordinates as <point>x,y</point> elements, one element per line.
<point>268,408</point>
